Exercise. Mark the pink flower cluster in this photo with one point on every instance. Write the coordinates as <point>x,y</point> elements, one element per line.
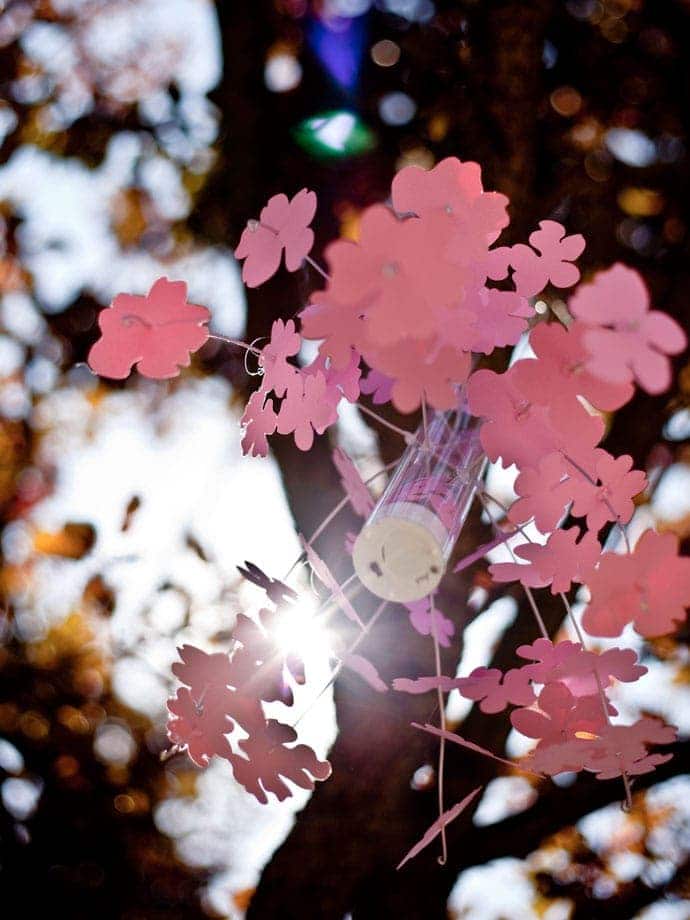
<point>422,291</point>
<point>560,702</point>
<point>221,692</point>
<point>308,396</point>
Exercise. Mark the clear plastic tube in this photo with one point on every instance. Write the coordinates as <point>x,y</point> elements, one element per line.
<point>402,551</point>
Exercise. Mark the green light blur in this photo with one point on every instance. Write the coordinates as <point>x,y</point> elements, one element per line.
<point>335,134</point>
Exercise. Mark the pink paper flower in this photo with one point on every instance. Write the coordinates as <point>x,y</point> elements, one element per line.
<point>421,372</point>
<point>611,498</point>
<point>284,343</point>
<point>552,261</point>
<point>359,495</point>
<point>577,668</point>
<point>453,190</point>
<point>340,326</point>
<point>563,361</point>
<point>500,318</point>
<point>495,689</point>
<point>560,715</point>
<point>554,757</point>
<point>559,562</point>
<point>311,406</point>
<point>282,227</point>
<point>625,339</point>
<point>541,492</point>
<point>623,748</point>
<point>199,719</point>
<point>268,761</point>
<point>650,587</point>
<point>397,272</point>
<point>425,620</point>
<point>157,332</point>
<point>378,386</point>
<point>345,379</point>
<point>199,726</point>
<point>518,428</point>
<point>258,422</point>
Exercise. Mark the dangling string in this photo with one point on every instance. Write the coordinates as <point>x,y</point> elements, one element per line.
<point>333,514</point>
<point>443,858</point>
<point>482,495</point>
<point>338,668</point>
<point>407,435</point>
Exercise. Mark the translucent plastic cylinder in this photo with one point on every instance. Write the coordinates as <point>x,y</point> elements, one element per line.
<point>402,551</point>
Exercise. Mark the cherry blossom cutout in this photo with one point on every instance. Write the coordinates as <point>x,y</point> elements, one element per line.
<point>582,671</point>
<point>542,493</point>
<point>552,261</point>
<point>499,319</point>
<point>625,339</point>
<point>258,422</point>
<point>454,190</point>
<point>220,691</point>
<point>339,327</point>
<point>378,386</point>
<point>559,562</point>
<point>158,332</point>
<point>560,715</point>
<point>397,269</point>
<point>425,617</point>
<point>283,227</point>
<point>279,374</point>
<point>494,690</point>
<point>622,749</point>
<point>650,587</point>
<point>519,429</point>
<point>610,499</point>
<point>563,359</point>
<point>270,758</point>
<point>309,408</point>
<point>199,719</point>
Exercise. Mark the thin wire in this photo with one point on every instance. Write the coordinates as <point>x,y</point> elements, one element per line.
<point>333,514</point>
<point>336,671</point>
<point>443,858</point>
<point>224,338</point>
<point>315,265</point>
<point>528,591</point>
<point>407,435</point>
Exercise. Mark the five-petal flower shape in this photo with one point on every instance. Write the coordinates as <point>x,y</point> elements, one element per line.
<point>560,561</point>
<point>650,587</point>
<point>625,339</point>
<point>553,260</point>
<point>157,332</point>
<point>282,227</point>
<point>454,190</point>
<point>495,690</point>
